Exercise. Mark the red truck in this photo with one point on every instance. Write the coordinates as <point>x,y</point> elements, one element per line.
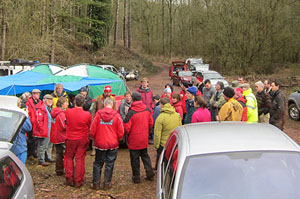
<point>177,66</point>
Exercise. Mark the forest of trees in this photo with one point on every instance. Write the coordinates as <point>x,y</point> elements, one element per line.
<point>240,35</point>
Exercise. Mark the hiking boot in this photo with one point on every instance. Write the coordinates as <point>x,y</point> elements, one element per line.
<point>50,161</point>
<point>44,164</point>
<point>96,186</point>
<point>60,173</point>
<point>150,177</point>
<point>68,183</point>
<point>107,186</point>
<point>136,179</point>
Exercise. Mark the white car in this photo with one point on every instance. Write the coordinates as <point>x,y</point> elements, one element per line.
<point>230,160</point>
<point>15,179</point>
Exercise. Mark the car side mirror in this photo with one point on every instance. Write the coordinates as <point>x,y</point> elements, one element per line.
<point>298,91</point>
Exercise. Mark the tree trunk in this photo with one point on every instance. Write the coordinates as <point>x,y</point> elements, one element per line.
<point>43,18</point>
<point>124,24</point>
<point>3,37</point>
<point>163,25</point>
<point>52,44</point>
<point>170,28</point>
<point>129,24</point>
<point>116,23</point>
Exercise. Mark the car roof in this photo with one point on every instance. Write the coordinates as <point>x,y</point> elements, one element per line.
<point>216,137</point>
<point>10,103</point>
<point>209,71</point>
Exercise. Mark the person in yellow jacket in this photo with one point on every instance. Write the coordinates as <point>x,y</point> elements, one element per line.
<point>166,122</point>
<point>58,92</point>
<point>232,110</point>
<point>252,109</point>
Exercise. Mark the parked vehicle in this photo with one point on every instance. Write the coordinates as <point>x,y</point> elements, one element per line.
<point>177,66</point>
<point>129,75</point>
<point>294,105</point>
<point>15,179</point>
<point>213,76</point>
<point>112,69</point>
<point>179,77</point>
<point>229,160</point>
<point>196,64</point>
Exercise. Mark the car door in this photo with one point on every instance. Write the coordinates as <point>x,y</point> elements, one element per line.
<point>167,168</point>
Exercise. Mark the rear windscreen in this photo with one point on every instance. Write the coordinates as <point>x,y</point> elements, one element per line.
<point>10,177</point>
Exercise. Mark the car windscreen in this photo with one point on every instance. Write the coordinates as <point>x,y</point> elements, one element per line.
<point>241,175</point>
<point>196,61</point>
<point>212,76</point>
<point>185,73</point>
<point>10,121</point>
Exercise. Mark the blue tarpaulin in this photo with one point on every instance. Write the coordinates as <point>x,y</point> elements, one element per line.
<point>28,80</point>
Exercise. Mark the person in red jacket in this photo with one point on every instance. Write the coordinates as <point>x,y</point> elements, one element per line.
<point>106,130</point>
<point>137,124</point>
<point>77,141</point>
<point>177,104</point>
<point>146,93</point>
<point>31,104</point>
<point>242,100</point>
<point>58,133</point>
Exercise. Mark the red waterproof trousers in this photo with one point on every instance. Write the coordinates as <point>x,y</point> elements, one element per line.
<point>77,149</point>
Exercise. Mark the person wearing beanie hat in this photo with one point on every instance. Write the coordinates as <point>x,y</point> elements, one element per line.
<point>232,110</point>
<point>99,102</point>
<point>264,103</point>
<point>189,103</point>
<point>252,110</point>
<point>137,125</point>
<point>167,93</point>
<point>88,100</point>
<point>242,100</point>
<point>217,100</point>
<point>199,82</point>
<point>192,90</point>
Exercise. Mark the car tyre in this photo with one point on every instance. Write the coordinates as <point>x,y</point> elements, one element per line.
<point>294,113</point>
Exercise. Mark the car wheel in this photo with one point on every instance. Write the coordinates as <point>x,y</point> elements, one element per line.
<point>294,112</point>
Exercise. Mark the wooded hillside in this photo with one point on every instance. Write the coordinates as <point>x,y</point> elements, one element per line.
<point>240,35</point>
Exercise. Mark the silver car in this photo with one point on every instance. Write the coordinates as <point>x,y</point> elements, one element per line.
<point>230,160</point>
<point>15,179</point>
<point>213,76</point>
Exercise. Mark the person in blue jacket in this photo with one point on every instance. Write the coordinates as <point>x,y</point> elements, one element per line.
<point>19,147</point>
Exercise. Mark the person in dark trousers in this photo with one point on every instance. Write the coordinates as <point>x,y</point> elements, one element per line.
<point>106,130</point>
<point>277,111</point>
<point>88,100</point>
<point>264,103</point>
<point>137,125</point>
<point>58,133</point>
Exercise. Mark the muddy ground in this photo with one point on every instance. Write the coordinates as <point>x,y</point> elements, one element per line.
<point>48,185</point>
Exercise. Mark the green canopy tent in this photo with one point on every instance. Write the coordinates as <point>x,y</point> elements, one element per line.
<point>94,71</point>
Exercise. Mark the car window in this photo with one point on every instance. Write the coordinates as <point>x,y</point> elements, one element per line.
<point>243,175</point>
<point>10,177</point>
<point>10,122</point>
<point>170,166</point>
<point>212,76</point>
<point>185,73</point>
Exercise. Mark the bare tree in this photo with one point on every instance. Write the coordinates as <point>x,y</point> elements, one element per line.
<point>163,25</point>
<point>129,24</point>
<point>124,23</point>
<point>4,26</point>
<point>52,42</point>
<point>116,23</point>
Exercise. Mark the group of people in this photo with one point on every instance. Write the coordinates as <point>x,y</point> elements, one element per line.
<point>142,118</point>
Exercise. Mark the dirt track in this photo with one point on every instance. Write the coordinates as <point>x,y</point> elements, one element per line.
<point>48,185</point>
